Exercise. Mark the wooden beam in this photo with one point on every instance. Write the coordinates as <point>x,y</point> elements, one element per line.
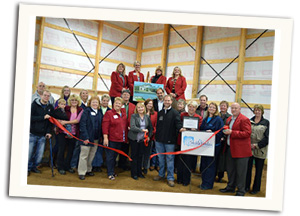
<point>140,42</point>
<point>196,74</point>
<point>164,50</point>
<point>98,52</point>
<point>218,82</point>
<point>38,56</point>
<point>257,82</point>
<point>221,40</point>
<point>241,65</point>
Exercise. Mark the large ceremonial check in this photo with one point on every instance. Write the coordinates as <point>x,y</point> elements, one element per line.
<point>192,139</point>
<point>143,91</point>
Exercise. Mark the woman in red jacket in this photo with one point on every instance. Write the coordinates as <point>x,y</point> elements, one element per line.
<point>135,75</point>
<point>113,127</point>
<point>176,84</point>
<point>153,117</point>
<point>159,78</point>
<point>119,82</point>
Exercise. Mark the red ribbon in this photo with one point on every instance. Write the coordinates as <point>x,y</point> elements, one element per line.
<point>187,150</point>
<point>146,139</point>
<point>58,124</point>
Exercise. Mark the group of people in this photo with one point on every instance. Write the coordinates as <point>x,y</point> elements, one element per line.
<point>141,129</point>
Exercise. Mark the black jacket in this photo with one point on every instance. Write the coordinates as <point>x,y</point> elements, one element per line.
<point>38,125</point>
<point>168,126</point>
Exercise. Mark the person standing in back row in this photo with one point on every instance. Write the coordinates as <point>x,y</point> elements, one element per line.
<point>135,75</point>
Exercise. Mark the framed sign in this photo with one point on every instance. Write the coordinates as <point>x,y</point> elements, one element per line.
<point>192,139</point>
<point>190,122</point>
<point>143,91</point>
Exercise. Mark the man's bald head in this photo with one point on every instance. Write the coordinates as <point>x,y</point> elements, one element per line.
<point>235,109</point>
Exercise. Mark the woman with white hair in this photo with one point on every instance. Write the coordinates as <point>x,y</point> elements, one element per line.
<point>183,172</point>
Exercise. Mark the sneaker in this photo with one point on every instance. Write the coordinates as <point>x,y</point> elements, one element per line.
<point>171,183</point>
<point>158,178</point>
<point>81,177</point>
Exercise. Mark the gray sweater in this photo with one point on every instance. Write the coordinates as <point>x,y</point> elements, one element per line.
<point>135,127</point>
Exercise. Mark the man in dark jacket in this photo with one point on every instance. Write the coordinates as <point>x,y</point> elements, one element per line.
<point>40,129</point>
<point>167,128</point>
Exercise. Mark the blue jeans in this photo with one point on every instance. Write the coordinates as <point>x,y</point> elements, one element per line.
<point>98,159</point>
<point>36,150</point>
<point>111,156</point>
<point>162,148</point>
<point>75,156</point>
<point>209,169</point>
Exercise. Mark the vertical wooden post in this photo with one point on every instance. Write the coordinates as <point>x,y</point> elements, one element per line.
<point>140,42</point>
<point>98,52</point>
<point>196,74</point>
<point>38,56</point>
<point>164,49</point>
<point>241,66</point>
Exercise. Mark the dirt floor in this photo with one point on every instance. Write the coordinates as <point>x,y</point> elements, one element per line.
<point>125,182</point>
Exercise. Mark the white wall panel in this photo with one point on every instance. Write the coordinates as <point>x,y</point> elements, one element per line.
<point>258,70</point>
<point>262,47</point>
<point>66,40</point>
<point>128,26</point>
<point>153,41</point>
<point>120,54</point>
<point>181,55</point>
<point>57,78</point>
<point>152,27</point>
<point>66,60</point>
<point>118,36</point>
<point>189,34</point>
<point>218,92</point>
<point>207,73</point>
<point>257,94</point>
<point>153,57</point>
<point>84,26</point>
<point>211,33</point>
<point>222,50</point>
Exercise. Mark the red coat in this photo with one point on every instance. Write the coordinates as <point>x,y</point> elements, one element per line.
<point>131,108</point>
<point>117,84</point>
<point>153,121</point>
<point>133,77</point>
<point>113,125</point>
<point>180,87</point>
<point>240,143</point>
<point>161,80</point>
<point>186,114</point>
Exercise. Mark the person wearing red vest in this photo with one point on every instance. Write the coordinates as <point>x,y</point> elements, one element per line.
<point>135,75</point>
<point>176,84</point>
<point>159,78</point>
<point>113,127</point>
<point>238,150</point>
<point>119,82</point>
